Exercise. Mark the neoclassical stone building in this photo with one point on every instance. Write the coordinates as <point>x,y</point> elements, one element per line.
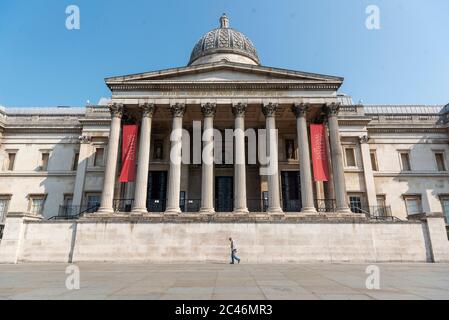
<point>382,161</point>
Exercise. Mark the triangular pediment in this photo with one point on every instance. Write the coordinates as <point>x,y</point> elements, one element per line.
<point>224,72</point>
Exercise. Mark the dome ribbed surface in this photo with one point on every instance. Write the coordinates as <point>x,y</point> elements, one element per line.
<point>224,40</point>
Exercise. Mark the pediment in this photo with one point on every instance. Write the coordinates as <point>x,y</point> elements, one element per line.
<point>224,72</point>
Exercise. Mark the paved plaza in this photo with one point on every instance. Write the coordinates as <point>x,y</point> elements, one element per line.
<point>222,281</point>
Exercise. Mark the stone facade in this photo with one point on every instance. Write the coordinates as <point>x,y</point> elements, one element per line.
<point>386,163</point>
<point>74,134</point>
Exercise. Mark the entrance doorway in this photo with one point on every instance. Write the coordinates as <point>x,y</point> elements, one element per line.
<point>224,194</point>
<point>291,191</point>
<point>157,191</point>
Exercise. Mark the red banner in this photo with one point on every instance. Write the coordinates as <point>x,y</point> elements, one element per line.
<point>319,152</point>
<point>129,144</point>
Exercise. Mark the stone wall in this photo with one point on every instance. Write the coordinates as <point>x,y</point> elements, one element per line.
<point>257,242</point>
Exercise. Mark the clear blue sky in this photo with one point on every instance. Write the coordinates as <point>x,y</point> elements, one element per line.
<point>44,64</point>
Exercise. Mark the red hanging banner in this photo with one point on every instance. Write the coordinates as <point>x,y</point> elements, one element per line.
<point>129,144</point>
<point>319,152</point>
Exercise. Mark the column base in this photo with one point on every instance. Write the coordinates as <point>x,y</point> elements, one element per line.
<point>139,211</point>
<point>344,211</point>
<point>309,211</point>
<point>172,212</point>
<point>241,211</point>
<point>207,211</point>
<point>105,211</point>
<point>275,212</point>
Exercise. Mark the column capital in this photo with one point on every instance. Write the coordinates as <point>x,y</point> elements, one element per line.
<point>269,109</point>
<point>332,109</point>
<point>148,109</point>
<point>178,110</point>
<point>116,110</point>
<point>239,109</point>
<point>208,109</point>
<point>301,109</point>
<point>364,139</point>
<point>84,139</point>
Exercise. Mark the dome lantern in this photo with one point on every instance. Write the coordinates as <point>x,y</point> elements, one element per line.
<point>224,21</point>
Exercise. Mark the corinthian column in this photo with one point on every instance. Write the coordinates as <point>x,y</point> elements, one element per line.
<point>140,195</point>
<point>174,174</point>
<point>240,202</point>
<point>337,159</point>
<point>207,178</point>
<point>107,196</point>
<point>300,111</point>
<point>274,202</point>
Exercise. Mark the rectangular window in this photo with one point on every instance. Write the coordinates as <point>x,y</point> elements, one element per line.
<point>381,202</point>
<point>405,161</point>
<point>99,157</point>
<point>93,202</point>
<point>350,157</point>
<point>413,204</point>
<point>182,201</point>
<point>75,161</point>
<point>37,204</point>
<point>355,203</point>
<point>373,157</point>
<point>4,203</point>
<point>10,161</point>
<point>445,205</point>
<point>68,200</point>
<point>45,156</point>
<point>439,158</point>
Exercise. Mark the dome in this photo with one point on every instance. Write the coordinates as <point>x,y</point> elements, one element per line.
<point>224,43</point>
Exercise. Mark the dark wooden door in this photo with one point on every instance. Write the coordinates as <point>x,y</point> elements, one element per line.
<point>157,191</point>
<point>224,194</point>
<point>291,191</point>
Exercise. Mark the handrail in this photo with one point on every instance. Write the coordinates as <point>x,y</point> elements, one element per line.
<point>65,210</point>
<point>362,211</point>
<point>89,209</point>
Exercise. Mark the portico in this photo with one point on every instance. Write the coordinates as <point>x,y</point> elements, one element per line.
<point>194,187</point>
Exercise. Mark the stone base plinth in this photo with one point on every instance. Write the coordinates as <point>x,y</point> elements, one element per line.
<point>192,237</point>
<point>224,217</point>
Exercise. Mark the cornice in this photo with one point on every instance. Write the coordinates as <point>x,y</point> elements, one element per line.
<point>33,129</point>
<point>406,130</point>
<point>96,121</point>
<point>433,174</point>
<point>231,85</point>
<point>348,121</point>
<point>37,174</point>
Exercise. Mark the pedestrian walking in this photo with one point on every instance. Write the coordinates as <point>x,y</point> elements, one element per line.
<point>233,252</point>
